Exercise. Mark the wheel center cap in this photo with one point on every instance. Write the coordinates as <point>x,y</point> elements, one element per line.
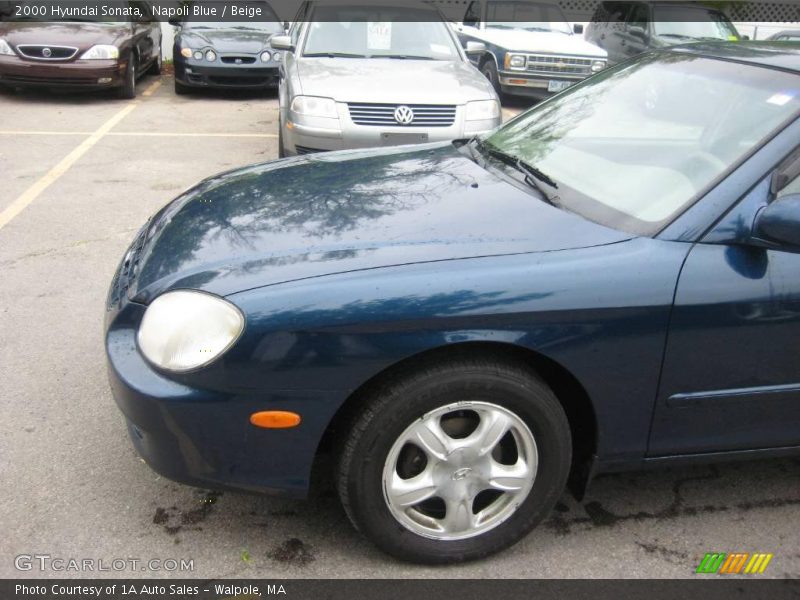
<point>461,473</point>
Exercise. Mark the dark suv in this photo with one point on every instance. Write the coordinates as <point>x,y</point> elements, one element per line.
<point>625,29</point>
<point>85,53</point>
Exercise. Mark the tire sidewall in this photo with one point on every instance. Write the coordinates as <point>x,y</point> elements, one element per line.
<point>527,398</point>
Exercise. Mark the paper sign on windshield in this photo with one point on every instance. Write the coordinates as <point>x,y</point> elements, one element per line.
<point>379,36</point>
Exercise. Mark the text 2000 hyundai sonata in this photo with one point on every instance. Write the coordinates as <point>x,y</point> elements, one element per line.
<point>608,281</point>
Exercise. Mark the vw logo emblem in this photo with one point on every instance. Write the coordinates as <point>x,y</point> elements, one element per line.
<point>403,115</point>
<point>47,53</point>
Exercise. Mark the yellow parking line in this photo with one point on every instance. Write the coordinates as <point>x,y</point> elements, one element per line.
<point>33,192</point>
<point>151,90</point>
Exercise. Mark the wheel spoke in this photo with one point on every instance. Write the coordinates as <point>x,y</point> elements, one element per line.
<point>430,436</point>
<point>408,492</point>
<point>459,517</point>
<point>493,427</point>
<point>509,478</point>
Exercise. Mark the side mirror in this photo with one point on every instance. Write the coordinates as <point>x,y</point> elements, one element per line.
<point>638,32</point>
<point>470,23</point>
<point>281,42</point>
<point>779,221</point>
<point>745,38</point>
<point>475,48</point>
<point>174,21</point>
<point>578,28</point>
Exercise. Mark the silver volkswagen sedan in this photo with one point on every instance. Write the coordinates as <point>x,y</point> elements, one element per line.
<point>364,75</point>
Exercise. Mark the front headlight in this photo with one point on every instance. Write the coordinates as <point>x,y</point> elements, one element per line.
<point>314,106</point>
<point>186,52</point>
<point>101,52</point>
<point>5,49</point>
<point>482,110</point>
<point>515,61</point>
<point>184,330</point>
<point>211,56</point>
<point>598,66</point>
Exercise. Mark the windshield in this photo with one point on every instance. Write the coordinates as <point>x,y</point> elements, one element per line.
<point>692,23</point>
<point>267,26</point>
<point>635,146</point>
<point>361,32</point>
<point>526,16</point>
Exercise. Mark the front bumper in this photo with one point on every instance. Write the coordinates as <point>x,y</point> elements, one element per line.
<point>79,74</point>
<point>535,86</point>
<point>202,74</point>
<point>304,135</point>
<point>201,435</point>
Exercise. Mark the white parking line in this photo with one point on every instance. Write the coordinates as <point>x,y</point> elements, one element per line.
<point>147,134</point>
<point>33,192</point>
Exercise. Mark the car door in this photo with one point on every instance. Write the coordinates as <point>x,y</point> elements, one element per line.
<point>469,29</point>
<point>146,33</point>
<point>610,37</point>
<point>731,374</point>
<point>634,36</point>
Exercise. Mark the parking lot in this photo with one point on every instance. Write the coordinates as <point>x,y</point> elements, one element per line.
<point>80,174</point>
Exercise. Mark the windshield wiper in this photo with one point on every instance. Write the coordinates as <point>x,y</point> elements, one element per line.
<point>677,35</point>
<point>532,175</point>
<point>332,55</point>
<point>403,56</point>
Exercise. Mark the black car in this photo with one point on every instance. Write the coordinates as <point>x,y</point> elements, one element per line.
<point>625,29</point>
<point>226,54</point>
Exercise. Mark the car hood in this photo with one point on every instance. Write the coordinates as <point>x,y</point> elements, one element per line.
<point>80,35</point>
<point>392,80</point>
<point>333,213</point>
<point>247,41</point>
<point>546,42</point>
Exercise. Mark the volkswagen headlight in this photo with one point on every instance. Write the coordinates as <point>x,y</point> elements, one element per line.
<point>101,52</point>
<point>185,330</point>
<point>211,56</point>
<point>5,49</point>
<point>482,110</point>
<point>186,52</point>
<point>314,106</point>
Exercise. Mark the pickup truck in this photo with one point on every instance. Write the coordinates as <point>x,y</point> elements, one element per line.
<point>528,48</point>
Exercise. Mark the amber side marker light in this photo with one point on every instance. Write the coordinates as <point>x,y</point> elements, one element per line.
<point>275,419</point>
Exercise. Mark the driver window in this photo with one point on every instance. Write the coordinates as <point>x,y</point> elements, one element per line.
<point>473,16</point>
<point>791,170</point>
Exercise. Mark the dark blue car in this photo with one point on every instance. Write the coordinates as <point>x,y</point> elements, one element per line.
<point>609,281</point>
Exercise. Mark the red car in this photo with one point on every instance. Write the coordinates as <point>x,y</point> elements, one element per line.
<point>84,52</point>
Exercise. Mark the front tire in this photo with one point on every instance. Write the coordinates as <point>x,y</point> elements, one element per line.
<point>181,89</point>
<point>455,462</point>
<point>128,89</point>
<point>489,70</point>
<point>157,66</point>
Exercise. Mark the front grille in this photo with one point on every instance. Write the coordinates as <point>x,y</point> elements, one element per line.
<point>559,65</point>
<point>425,115</point>
<point>23,79</point>
<point>128,269</point>
<point>44,52</point>
<point>306,150</point>
<point>238,60</point>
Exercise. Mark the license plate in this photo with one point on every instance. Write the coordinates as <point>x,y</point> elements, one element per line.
<point>558,86</point>
<point>398,139</point>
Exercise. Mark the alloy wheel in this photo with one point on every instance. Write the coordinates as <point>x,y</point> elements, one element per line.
<point>460,470</point>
